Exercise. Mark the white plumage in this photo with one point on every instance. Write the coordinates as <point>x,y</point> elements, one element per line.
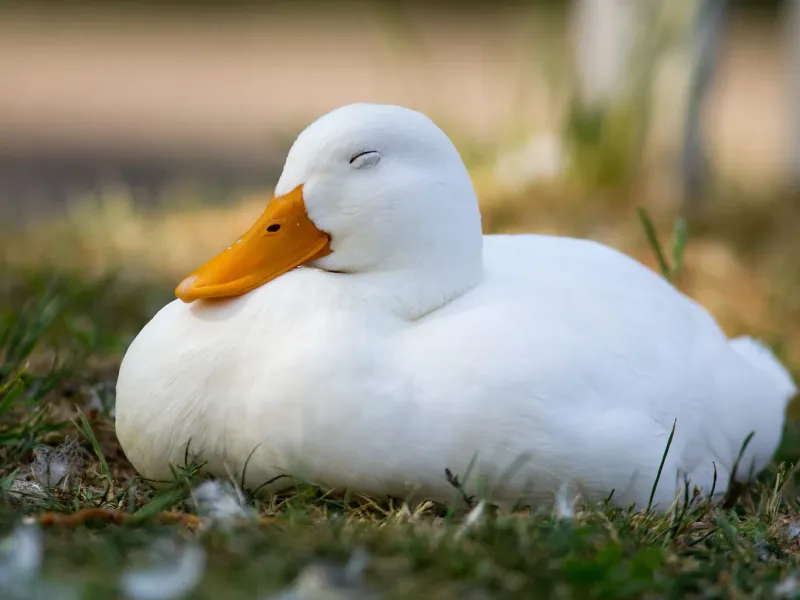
<point>419,344</point>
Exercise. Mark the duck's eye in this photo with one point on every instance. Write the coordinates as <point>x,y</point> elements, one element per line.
<point>273,228</point>
<point>365,159</point>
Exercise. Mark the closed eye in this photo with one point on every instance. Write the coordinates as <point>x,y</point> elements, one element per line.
<point>366,158</point>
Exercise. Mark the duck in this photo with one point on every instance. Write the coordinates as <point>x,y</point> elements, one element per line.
<point>365,336</point>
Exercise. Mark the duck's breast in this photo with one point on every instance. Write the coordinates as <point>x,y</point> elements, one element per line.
<point>263,370</point>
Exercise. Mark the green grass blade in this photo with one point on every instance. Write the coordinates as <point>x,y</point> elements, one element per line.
<point>680,237</point>
<point>661,466</point>
<point>86,430</point>
<point>652,237</point>
<point>160,503</point>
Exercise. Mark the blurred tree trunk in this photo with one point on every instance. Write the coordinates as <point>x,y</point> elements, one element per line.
<point>609,111</point>
<point>708,27</point>
<point>793,43</point>
<point>604,35</point>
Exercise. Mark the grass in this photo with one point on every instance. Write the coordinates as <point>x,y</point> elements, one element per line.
<point>105,533</point>
<point>76,522</point>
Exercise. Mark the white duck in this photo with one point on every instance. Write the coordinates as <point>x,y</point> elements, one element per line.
<point>365,335</point>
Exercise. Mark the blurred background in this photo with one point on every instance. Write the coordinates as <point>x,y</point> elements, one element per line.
<point>137,139</point>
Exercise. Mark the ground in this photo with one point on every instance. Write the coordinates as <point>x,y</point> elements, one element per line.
<point>76,522</point>
<point>71,299</point>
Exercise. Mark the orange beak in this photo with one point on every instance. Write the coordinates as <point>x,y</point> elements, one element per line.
<point>282,239</point>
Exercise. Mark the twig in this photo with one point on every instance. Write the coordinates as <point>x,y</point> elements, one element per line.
<point>118,517</point>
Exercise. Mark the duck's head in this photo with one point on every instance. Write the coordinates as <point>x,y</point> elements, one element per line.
<point>365,189</point>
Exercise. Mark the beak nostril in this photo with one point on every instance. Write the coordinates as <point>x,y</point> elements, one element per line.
<point>273,228</point>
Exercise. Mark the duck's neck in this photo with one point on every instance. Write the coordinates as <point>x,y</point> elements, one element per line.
<point>415,291</point>
<point>414,261</point>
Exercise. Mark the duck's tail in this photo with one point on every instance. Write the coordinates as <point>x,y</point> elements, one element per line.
<point>755,403</point>
<point>760,356</point>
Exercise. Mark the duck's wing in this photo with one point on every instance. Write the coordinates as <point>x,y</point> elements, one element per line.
<point>589,347</point>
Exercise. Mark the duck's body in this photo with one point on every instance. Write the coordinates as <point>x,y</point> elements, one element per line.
<point>547,361</point>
